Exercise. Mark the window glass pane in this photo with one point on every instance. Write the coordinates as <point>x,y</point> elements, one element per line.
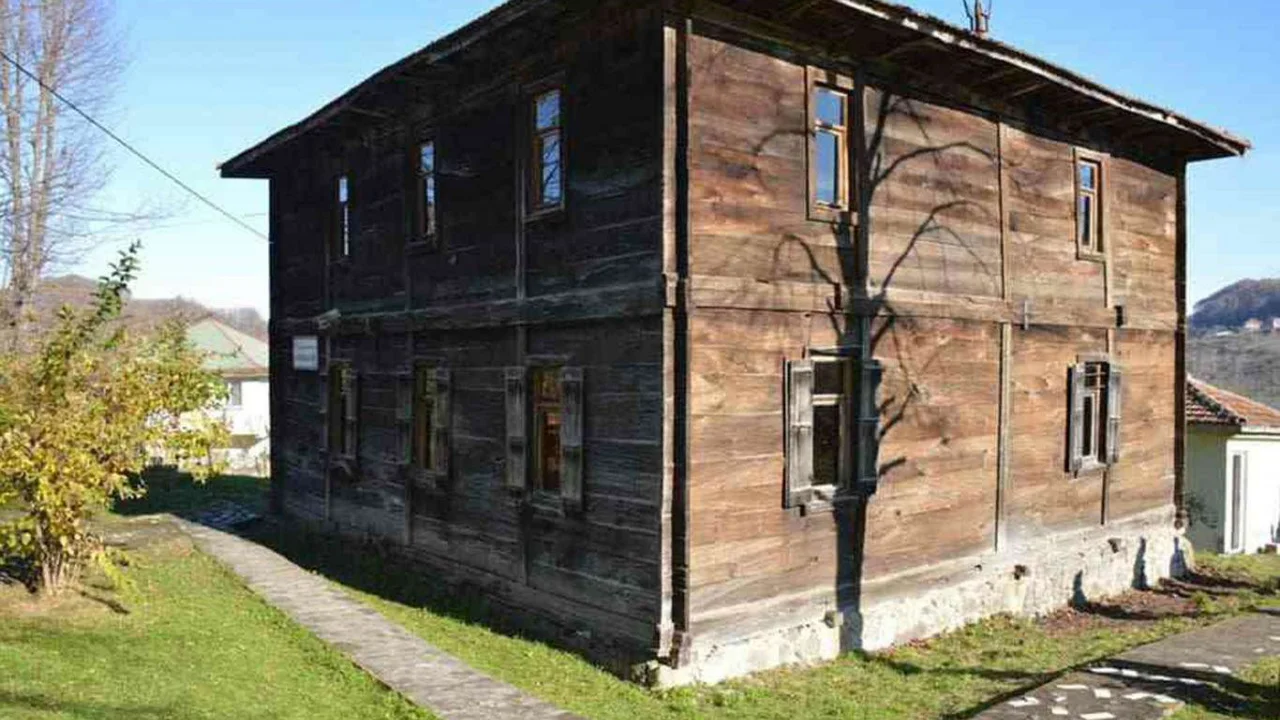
<point>427,171</point>
<point>551,190</point>
<point>826,444</point>
<point>828,107</point>
<point>1085,219</point>
<point>829,377</point>
<point>1089,431</point>
<point>547,417</point>
<point>547,110</point>
<point>827,170</point>
<point>1088,176</point>
<point>343,191</point>
<point>427,155</point>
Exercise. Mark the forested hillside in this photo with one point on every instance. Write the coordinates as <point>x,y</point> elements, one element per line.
<point>1231,306</point>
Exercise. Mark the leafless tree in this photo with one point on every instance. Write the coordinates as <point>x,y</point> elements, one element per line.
<point>52,164</point>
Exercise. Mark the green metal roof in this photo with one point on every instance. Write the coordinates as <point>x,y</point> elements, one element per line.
<point>231,352</point>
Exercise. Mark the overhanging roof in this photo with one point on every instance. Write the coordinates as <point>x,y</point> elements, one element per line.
<point>1201,141</point>
<point>1211,405</point>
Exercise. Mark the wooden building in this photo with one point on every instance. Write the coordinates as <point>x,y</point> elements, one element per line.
<point>710,336</point>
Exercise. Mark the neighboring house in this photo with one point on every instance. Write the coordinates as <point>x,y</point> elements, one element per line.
<point>1253,325</point>
<point>243,362</point>
<point>1275,324</point>
<point>706,337</point>
<point>1233,471</point>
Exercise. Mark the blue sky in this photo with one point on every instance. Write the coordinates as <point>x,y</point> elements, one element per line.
<point>208,78</point>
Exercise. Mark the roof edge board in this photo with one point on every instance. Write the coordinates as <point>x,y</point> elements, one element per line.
<point>957,37</point>
<point>949,35</point>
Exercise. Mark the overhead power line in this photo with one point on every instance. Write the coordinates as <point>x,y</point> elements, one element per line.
<point>136,152</point>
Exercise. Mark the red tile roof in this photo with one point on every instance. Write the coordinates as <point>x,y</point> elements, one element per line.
<point>1209,404</point>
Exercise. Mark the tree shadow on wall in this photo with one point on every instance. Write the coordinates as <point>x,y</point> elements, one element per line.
<point>939,250</point>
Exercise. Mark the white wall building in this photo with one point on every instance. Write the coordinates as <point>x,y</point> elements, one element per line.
<point>1233,471</point>
<point>242,361</point>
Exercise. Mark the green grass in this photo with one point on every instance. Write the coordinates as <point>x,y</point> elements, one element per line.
<point>169,492</point>
<point>951,676</point>
<point>185,641</point>
<point>1255,694</point>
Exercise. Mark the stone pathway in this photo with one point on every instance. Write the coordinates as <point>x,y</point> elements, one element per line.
<point>1156,680</point>
<point>404,662</point>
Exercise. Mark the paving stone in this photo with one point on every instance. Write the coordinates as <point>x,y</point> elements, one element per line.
<point>1152,681</point>
<point>404,662</point>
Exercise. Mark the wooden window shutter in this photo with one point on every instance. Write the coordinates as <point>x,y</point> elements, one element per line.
<point>1114,392</point>
<point>571,388</point>
<point>351,414</point>
<point>1075,418</point>
<point>441,423</point>
<point>327,408</point>
<point>516,441</point>
<point>799,441</point>
<point>870,374</point>
<point>404,416</point>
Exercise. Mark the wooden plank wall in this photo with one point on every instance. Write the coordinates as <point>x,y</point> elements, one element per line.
<point>958,202</point>
<point>598,571</point>
<point>934,214</point>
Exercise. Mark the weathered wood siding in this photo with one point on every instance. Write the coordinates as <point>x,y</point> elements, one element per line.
<point>934,185</point>
<point>970,228</point>
<point>1039,192</point>
<point>469,307</point>
<point>748,171</point>
<point>939,449</point>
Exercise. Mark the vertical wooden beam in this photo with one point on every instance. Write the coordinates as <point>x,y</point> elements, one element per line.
<point>524,517</point>
<point>1002,441</point>
<point>681,516</point>
<point>1180,358</point>
<point>1006,359</point>
<point>277,346</point>
<point>1004,216</point>
<point>1112,354</point>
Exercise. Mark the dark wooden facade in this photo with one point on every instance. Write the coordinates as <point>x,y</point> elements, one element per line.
<point>686,268</point>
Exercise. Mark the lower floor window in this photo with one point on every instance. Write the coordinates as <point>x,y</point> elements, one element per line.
<point>1094,417</point>
<point>832,426</point>
<point>548,408</point>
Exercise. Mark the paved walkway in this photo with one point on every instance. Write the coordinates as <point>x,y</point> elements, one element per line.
<point>404,662</point>
<point>1154,681</point>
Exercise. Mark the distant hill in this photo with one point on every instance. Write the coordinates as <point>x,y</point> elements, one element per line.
<point>1234,304</point>
<point>77,291</point>
<point>1246,363</point>
<point>1243,362</point>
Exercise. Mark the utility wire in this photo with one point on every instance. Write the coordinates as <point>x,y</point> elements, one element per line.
<point>137,153</point>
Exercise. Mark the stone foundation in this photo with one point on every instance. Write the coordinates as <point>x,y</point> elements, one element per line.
<point>1032,579</point>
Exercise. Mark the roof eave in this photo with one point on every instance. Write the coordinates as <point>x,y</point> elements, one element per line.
<point>1226,144</point>
<point>246,164</point>
<point>1216,143</point>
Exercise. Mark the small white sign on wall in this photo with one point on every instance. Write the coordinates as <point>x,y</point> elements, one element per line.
<point>306,352</point>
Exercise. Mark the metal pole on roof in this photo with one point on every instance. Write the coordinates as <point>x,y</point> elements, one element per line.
<point>979,16</point>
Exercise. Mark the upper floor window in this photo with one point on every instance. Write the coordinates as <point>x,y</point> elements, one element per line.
<point>547,187</point>
<point>1089,206</point>
<point>1094,420</point>
<point>830,148</point>
<point>425,194</point>
<point>342,219</point>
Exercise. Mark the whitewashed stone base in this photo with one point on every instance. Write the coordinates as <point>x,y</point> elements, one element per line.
<point>1031,579</point>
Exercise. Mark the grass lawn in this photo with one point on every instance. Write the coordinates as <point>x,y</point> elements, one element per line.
<point>220,652</point>
<point>185,641</point>
<point>952,676</point>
